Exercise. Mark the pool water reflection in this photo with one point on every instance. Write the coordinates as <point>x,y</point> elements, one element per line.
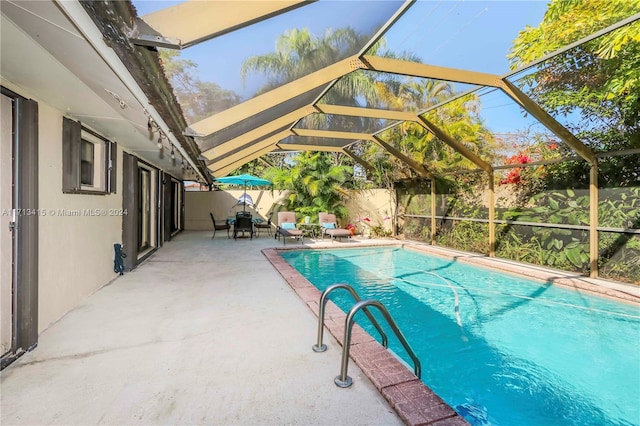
<point>515,352</point>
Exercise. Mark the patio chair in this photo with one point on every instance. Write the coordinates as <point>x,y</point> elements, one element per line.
<point>220,227</point>
<point>264,225</point>
<point>287,227</point>
<point>244,223</point>
<point>329,226</point>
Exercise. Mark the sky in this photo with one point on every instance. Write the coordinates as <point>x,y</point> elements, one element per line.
<point>475,35</point>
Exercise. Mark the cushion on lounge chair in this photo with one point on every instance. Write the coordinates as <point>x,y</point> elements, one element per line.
<point>287,227</point>
<point>330,227</point>
<point>338,232</point>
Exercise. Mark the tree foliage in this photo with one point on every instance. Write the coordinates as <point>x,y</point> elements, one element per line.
<point>566,21</point>
<point>298,53</point>
<point>595,86</point>
<point>315,181</point>
<point>599,80</point>
<point>198,99</point>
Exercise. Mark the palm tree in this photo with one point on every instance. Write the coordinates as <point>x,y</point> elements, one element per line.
<point>316,179</point>
<point>315,184</point>
<point>299,53</point>
<point>459,118</point>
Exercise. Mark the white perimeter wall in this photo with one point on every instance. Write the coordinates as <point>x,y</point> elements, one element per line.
<point>75,252</point>
<point>223,205</point>
<point>375,204</point>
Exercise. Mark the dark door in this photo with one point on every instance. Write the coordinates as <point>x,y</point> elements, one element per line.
<point>7,221</point>
<point>18,225</point>
<point>144,209</point>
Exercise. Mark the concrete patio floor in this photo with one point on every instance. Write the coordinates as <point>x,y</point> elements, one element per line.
<point>204,332</point>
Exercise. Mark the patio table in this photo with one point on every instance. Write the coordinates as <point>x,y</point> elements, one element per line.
<point>310,229</point>
<point>232,220</point>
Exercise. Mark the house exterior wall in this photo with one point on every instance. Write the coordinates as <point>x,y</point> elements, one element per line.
<point>76,231</point>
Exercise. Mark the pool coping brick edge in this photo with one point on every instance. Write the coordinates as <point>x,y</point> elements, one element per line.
<point>412,400</point>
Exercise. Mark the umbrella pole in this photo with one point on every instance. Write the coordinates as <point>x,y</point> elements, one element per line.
<point>244,204</point>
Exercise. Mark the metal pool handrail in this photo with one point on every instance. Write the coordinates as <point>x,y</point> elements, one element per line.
<point>321,347</point>
<point>345,381</point>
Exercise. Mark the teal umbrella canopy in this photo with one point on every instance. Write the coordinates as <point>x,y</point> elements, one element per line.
<point>246,180</point>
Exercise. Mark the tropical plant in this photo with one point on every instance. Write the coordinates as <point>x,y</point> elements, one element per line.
<point>597,83</point>
<point>315,184</point>
<point>595,88</point>
<point>464,235</point>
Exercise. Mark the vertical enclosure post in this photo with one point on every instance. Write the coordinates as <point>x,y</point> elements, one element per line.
<point>433,211</point>
<point>492,215</point>
<point>593,220</point>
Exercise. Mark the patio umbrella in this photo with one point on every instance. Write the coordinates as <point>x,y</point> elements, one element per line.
<point>244,180</point>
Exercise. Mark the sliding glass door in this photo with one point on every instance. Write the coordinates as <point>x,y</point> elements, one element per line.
<point>144,209</point>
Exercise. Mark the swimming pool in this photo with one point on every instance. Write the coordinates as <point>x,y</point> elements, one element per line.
<point>514,352</point>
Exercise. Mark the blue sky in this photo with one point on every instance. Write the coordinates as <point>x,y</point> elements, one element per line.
<point>475,35</point>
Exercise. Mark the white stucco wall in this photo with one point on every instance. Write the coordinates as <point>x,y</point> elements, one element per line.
<point>222,204</point>
<point>75,251</point>
<point>375,204</point>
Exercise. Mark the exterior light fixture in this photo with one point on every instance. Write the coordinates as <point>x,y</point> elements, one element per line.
<point>173,153</point>
<point>160,141</point>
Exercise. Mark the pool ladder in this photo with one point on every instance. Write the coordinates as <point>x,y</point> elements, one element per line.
<point>343,380</point>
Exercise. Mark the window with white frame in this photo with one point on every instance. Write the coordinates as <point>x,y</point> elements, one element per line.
<point>88,160</point>
<point>93,167</point>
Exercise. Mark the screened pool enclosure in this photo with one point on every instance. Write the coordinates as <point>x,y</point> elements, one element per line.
<point>505,128</point>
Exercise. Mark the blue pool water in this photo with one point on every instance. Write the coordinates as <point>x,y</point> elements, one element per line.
<point>515,352</point>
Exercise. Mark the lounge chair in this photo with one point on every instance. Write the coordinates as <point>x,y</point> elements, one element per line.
<point>244,223</point>
<point>287,227</point>
<point>220,227</point>
<point>329,226</point>
<point>264,225</point>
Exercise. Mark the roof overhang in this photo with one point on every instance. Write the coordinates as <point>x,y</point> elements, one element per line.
<point>78,64</point>
<point>186,24</point>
